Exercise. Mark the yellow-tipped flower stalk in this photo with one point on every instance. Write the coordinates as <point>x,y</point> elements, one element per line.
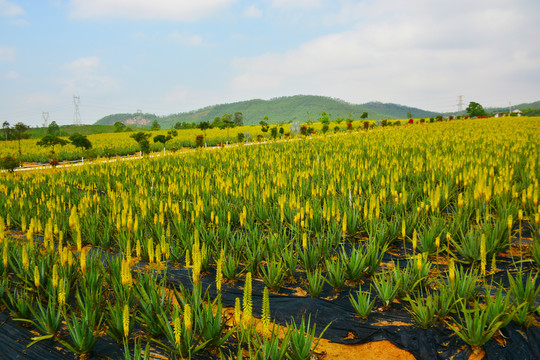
<point>25,258</point>
<point>61,294</point>
<point>55,276</point>
<point>451,270</point>
<point>177,331</point>
<point>247,303</point>
<point>237,312</point>
<point>304,241</point>
<point>219,271</point>
<point>265,317</point>
<point>483,254</point>
<point>419,262</point>
<point>187,317</point>
<point>127,279</point>
<point>125,320</point>
<point>36,276</point>
<point>414,241</point>
<point>83,261</point>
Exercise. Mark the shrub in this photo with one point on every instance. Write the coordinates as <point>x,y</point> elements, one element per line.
<point>240,136</point>
<point>422,121</point>
<point>384,122</point>
<point>366,124</point>
<point>411,121</point>
<point>9,163</point>
<point>199,141</point>
<point>304,130</point>
<point>349,126</point>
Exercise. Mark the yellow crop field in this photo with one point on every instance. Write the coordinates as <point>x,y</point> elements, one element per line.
<point>438,222</point>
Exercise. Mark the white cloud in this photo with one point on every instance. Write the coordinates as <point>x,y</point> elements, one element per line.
<point>10,9</point>
<point>414,53</point>
<point>253,12</point>
<point>144,9</point>
<point>11,75</point>
<point>84,64</point>
<point>296,3</point>
<point>8,54</point>
<point>185,39</point>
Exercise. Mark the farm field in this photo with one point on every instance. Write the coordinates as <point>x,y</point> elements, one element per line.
<point>426,235</point>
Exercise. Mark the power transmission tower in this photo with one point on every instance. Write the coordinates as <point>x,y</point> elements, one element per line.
<point>45,116</point>
<point>76,113</point>
<point>460,104</point>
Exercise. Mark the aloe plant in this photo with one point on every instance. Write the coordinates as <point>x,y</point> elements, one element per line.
<point>335,275</point>
<point>475,328</point>
<point>272,274</point>
<point>138,353</point>
<point>82,333</point>
<point>362,304</point>
<point>386,287</point>
<point>301,343</point>
<point>315,282</point>
<point>354,263</point>
<point>271,347</point>
<point>423,310</point>
<point>524,292</point>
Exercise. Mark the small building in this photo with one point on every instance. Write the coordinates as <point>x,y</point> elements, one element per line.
<point>515,112</point>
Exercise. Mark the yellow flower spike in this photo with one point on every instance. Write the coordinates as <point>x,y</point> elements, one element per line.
<point>438,242</point>
<point>150,250</point>
<point>125,320</point>
<point>188,260</point>
<point>177,331</point>
<point>265,317</point>
<point>187,317</point>
<point>5,255</point>
<point>83,261</point>
<point>138,248</point>
<point>219,270</point>
<point>36,276</point>
<point>520,215</point>
<point>483,254</point>
<point>25,258</point>
<point>451,270</point>
<point>237,312</point>
<point>61,294</point>
<point>403,229</point>
<point>419,262</point>
<point>158,254</point>
<point>55,276</point>
<point>414,241</point>
<point>494,264</point>
<point>79,240</point>
<point>127,279</point>
<point>304,241</point>
<point>247,303</point>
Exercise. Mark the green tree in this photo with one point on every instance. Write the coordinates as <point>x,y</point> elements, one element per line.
<point>204,125</point>
<point>53,129</point>
<point>51,141</point>
<point>264,124</point>
<point>324,118</point>
<point>162,139</point>
<point>364,115</point>
<point>119,126</point>
<point>227,124</point>
<point>142,139</point>
<point>155,125</point>
<point>19,132</point>
<point>239,119</point>
<point>475,109</point>
<point>5,127</point>
<point>81,141</point>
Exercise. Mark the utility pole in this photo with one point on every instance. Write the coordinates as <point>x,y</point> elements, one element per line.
<point>76,113</point>
<point>45,116</point>
<point>460,105</point>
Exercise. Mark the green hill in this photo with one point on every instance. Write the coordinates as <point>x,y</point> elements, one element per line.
<point>279,110</point>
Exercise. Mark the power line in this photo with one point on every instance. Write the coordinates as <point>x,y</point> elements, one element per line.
<point>76,114</point>
<point>45,116</point>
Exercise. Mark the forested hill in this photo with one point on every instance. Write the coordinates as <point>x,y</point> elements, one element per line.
<point>279,110</point>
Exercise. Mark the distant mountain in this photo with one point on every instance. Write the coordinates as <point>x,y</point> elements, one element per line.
<point>279,110</point>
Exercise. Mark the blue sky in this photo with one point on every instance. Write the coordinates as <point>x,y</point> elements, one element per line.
<point>170,56</point>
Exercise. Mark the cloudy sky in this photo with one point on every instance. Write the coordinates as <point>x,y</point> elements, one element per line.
<point>169,56</point>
